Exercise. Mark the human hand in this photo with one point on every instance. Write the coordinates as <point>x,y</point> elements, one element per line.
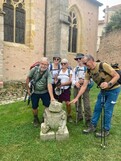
<point>104,85</point>
<point>52,99</point>
<point>73,101</point>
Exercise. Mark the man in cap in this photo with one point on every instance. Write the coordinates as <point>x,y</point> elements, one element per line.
<point>77,81</point>
<point>106,80</point>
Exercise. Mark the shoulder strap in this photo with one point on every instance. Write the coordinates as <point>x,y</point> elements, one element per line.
<point>101,67</point>
<point>36,80</point>
<point>59,67</point>
<point>85,69</point>
<point>51,66</point>
<point>76,70</point>
<point>69,72</point>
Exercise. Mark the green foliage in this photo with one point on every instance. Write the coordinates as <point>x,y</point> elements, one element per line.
<point>115,22</point>
<point>20,140</point>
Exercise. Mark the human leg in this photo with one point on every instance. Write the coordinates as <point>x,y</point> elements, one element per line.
<point>46,102</point>
<point>78,105</point>
<point>35,103</point>
<point>95,117</point>
<point>87,108</point>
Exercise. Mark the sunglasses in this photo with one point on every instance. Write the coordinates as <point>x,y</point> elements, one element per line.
<point>85,63</point>
<point>56,59</point>
<point>77,59</point>
<point>63,63</point>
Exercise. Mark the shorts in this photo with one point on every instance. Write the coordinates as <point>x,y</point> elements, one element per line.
<point>65,96</point>
<point>36,97</point>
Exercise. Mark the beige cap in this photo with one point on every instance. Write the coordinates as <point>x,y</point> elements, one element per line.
<point>64,61</point>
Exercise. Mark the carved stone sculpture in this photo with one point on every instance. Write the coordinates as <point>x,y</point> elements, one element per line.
<point>55,120</point>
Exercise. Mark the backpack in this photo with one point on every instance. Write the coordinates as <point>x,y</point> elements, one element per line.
<point>51,67</point>
<point>115,66</point>
<point>35,64</point>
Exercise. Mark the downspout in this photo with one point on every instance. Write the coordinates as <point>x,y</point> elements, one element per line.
<point>45,30</point>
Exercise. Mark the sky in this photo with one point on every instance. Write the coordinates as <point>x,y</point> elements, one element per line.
<point>106,3</point>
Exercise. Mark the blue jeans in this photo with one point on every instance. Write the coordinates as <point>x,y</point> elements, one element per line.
<point>106,100</point>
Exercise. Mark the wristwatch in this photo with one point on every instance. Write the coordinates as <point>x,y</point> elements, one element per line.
<point>110,84</point>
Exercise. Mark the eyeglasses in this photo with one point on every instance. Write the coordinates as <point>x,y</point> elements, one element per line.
<point>63,63</point>
<point>77,59</point>
<point>44,64</point>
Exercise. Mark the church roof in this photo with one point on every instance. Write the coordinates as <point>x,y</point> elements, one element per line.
<point>116,7</point>
<point>96,2</point>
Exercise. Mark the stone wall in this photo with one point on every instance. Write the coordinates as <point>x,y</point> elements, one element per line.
<point>13,90</point>
<point>110,48</point>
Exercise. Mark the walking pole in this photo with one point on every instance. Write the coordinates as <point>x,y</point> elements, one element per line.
<point>103,118</point>
<point>77,110</point>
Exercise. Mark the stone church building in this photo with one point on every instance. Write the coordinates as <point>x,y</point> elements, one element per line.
<point>30,29</point>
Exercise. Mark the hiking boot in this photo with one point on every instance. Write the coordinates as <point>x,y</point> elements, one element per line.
<point>87,123</point>
<point>91,129</point>
<point>104,133</point>
<point>69,119</point>
<point>36,121</point>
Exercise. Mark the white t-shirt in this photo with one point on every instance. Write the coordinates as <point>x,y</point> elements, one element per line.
<point>78,73</point>
<point>65,76</point>
<point>54,71</point>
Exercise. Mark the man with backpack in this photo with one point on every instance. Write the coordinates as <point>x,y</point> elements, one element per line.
<point>77,81</point>
<point>106,80</point>
<point>40,79</point>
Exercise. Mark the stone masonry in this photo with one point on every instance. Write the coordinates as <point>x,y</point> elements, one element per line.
<point>57,28</point>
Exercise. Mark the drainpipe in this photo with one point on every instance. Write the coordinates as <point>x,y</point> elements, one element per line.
<point>45,30</point>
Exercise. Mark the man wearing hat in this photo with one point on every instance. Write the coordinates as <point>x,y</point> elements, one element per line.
<point>77,81</point>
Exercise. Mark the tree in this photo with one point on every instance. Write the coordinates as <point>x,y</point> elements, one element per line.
<point>115,22</point>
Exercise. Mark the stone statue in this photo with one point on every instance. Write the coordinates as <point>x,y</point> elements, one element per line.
<point>55,119</point>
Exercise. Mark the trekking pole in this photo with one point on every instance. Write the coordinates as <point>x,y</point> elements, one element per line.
<point>103,119</point>
<point>77,110</point>
<point>25,96</point>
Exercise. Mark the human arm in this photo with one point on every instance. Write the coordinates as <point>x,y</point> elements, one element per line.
<point>27,85</point>
<point>81,91</point>
<point>50,90</point>
<point>114,77</point>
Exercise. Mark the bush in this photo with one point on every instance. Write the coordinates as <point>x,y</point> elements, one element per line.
<point>115,22</point>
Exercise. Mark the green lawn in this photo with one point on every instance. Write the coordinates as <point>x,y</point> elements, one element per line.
<point>20,141</point>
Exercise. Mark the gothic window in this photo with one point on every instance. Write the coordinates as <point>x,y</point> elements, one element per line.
<point>72,43</point>
<point>14,21</point>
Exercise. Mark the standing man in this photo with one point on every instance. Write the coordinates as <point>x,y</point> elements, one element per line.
<point>42,82</point>
<point>77,81</point>
<point>109,89</point>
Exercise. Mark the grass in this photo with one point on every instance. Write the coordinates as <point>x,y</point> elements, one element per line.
<point>20,141</point>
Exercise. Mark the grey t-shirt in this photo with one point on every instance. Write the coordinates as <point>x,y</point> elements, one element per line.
<point>41,84</point>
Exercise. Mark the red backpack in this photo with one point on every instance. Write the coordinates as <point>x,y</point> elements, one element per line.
<point>34,65</point>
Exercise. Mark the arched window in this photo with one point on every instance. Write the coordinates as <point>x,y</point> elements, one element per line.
<point>14,21</point>
<point>72,44</point>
